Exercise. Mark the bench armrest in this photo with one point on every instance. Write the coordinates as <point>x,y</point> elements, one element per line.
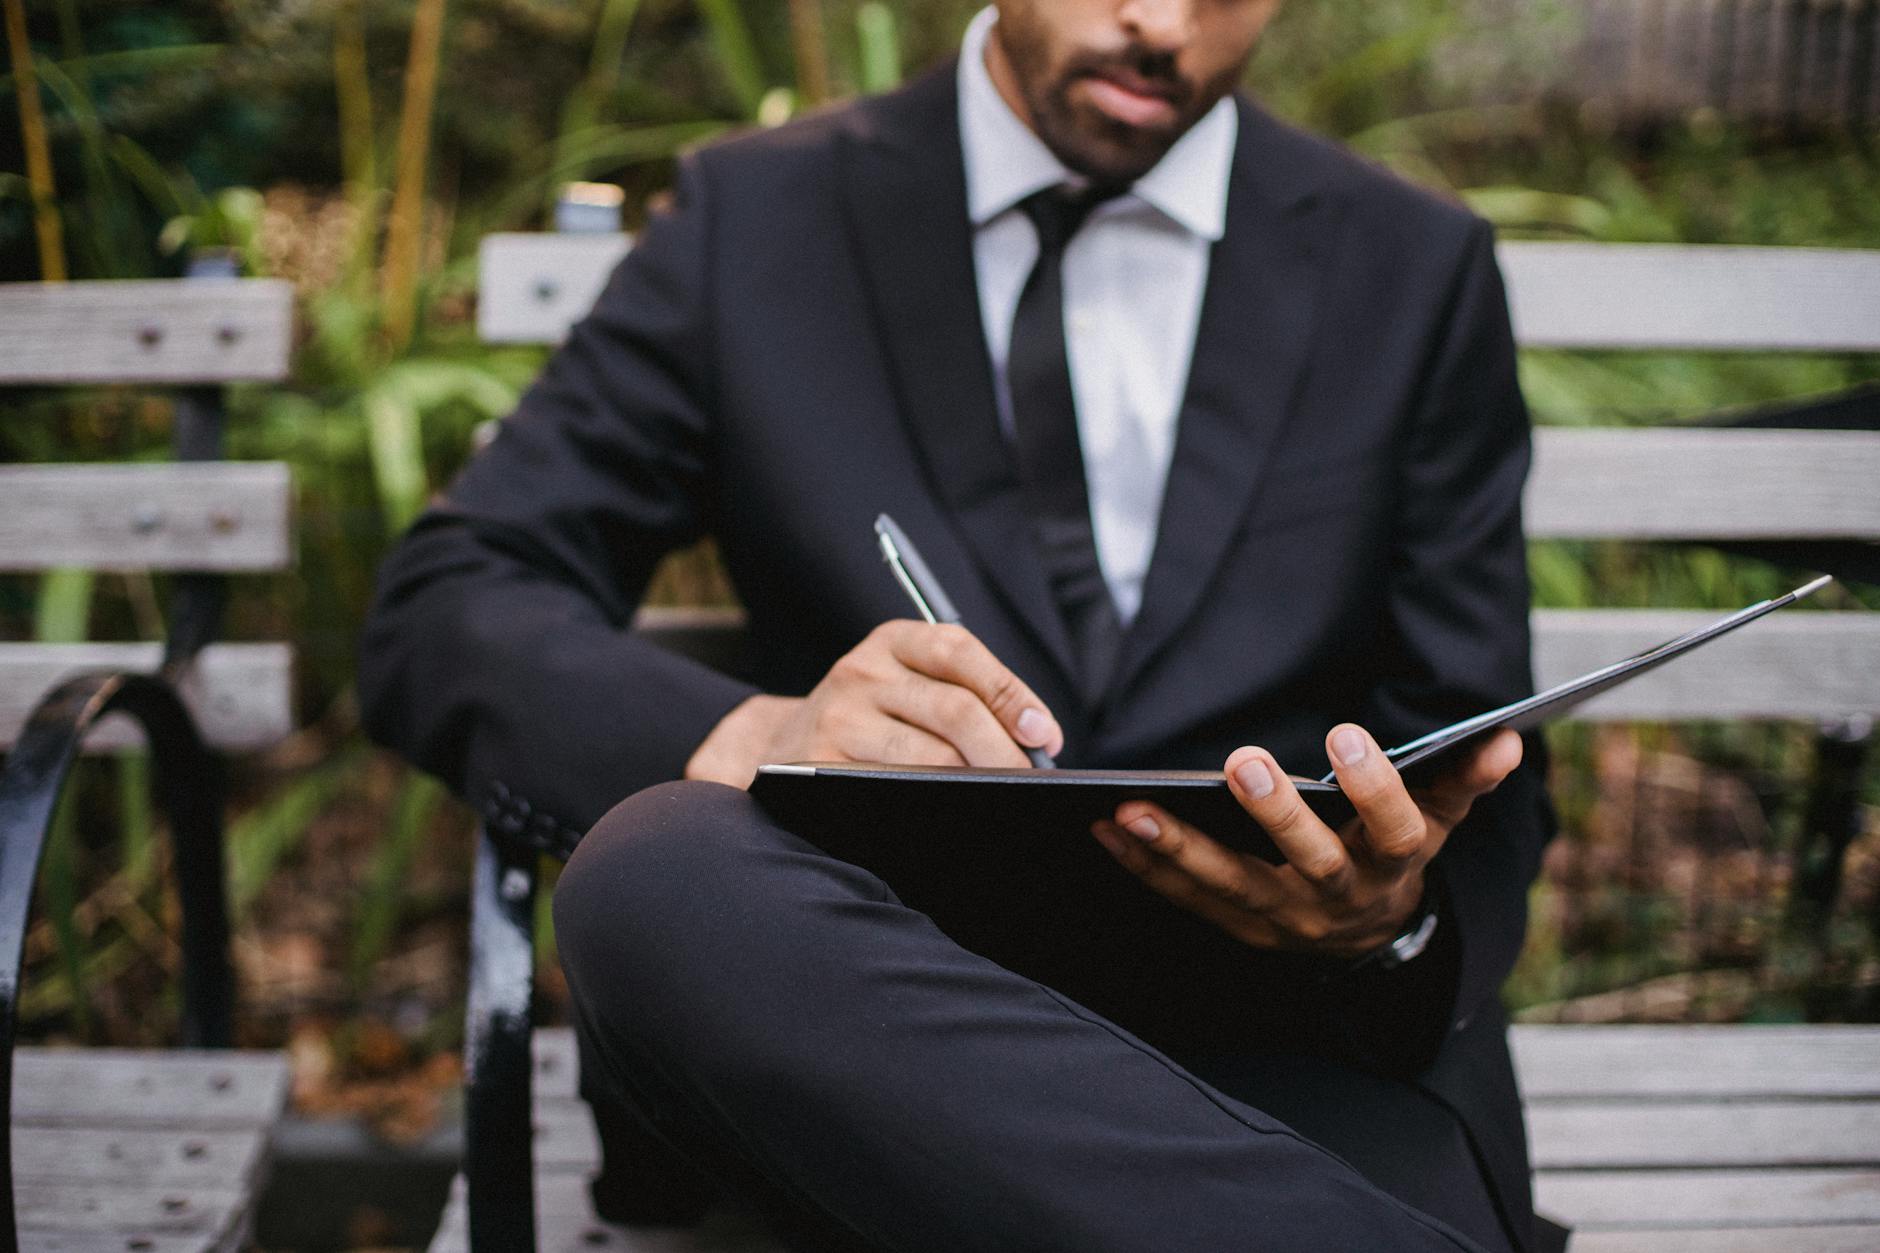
<point>189,787</point>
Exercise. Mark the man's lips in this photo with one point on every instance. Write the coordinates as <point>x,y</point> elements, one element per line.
<point>1131,101</point>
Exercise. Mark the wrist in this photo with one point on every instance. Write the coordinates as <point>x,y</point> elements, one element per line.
<point>1412,935</point>
<point>733,750</point>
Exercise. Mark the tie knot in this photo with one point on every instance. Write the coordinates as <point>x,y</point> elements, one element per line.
<point>1057,212</point>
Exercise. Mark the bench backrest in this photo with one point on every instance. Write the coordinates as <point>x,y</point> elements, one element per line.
<point>182,517</point>
<point>1606,483</point>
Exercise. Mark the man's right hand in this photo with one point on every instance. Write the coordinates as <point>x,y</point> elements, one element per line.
<point>912,694</point>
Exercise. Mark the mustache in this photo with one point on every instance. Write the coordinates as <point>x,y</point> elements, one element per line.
<point>1146,70</point>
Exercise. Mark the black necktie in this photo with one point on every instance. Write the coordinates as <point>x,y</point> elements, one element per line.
<point>1050,456</point>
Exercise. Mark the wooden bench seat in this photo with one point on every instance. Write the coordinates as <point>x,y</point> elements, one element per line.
<point>128,1150</point>
<point>1794,1167</point>
<point>113,1149</point>
<point>1763,1139</point>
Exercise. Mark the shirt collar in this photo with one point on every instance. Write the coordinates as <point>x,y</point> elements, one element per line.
<point>1006,162</point>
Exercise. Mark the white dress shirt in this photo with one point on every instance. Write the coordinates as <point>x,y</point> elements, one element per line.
<point>1133,281</point>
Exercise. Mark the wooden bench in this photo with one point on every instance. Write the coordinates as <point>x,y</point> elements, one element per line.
<point>110,1148</point>
<point>1644,1138</point>
<point>1606,1164</point>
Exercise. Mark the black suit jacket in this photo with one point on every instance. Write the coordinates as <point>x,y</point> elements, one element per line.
<point>797,347</point>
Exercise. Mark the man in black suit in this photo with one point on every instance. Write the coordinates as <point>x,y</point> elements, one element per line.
<point>973,304</point>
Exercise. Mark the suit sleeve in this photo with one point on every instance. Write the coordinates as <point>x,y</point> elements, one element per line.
<point>1458,631</point>
<point>498,653</point>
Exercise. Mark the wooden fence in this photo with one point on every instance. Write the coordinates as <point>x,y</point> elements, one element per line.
<point>1806,62</point>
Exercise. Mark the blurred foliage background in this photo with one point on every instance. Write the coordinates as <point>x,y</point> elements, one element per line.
<point>361,150</point>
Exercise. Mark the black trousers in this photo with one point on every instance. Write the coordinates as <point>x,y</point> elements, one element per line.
<point>828,1053</point>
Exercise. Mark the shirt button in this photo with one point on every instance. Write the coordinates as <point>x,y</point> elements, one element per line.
<point>1082,323</point>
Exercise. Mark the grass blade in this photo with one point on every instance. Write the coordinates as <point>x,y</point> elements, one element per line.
<point>63,613</point>
<point>263,837</point>
<point>397,447</point>
<point>134,815</point>
<point>58,895</point>
<point>50,230</point>
<point>379,904</point>
<point>737,52</point>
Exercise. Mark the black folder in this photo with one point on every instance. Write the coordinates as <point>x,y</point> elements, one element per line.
<point>841,806</point>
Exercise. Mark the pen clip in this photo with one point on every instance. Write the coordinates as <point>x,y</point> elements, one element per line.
<point>892,555</point>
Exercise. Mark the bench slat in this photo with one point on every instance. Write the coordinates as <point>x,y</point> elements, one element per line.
<point>1697,1133</point>
<point>146,331</point>
<point>532,287</point>
<point>1592,1199</point>
<point>565,1138</point>
<point>1800,664</point>
<point>141,1088</point>
<point>1561,295</point>
<point>565,1223</point>
<point>241,694</point>
<point>1639,296</point>
<point>557,1065</point>
<point>1795,664</point>
<point>1858,1238</point>
<point>156,1157</point>
<point>1703,483</point>
<point>219,516</point>
<point>1683,1062</point>
<point>113,1242</point>
<point>1749,1104</point>
<point>120,1149</point>
<point>214,1215</point>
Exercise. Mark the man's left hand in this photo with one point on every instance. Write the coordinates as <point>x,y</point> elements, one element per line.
<point>1341,893</point>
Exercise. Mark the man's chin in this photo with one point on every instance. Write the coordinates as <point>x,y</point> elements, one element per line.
<point>1107,151</point>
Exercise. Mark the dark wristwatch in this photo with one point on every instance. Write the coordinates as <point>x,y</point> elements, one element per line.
<point>1410,942</point>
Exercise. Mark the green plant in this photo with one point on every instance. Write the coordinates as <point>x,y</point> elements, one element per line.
<point>188,124</point>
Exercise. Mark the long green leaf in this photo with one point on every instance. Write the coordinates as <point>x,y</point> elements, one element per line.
<point>169,60</point>
<point>1525,208</point>
<point>132,769</point>
<point>63,613</point>
<point>113,235</point>
<point>595,150</point>
<point>262,838</point>
<point>172,197</point>
<point>59,897</point>
<point>383,897</point>
<point>397,447</point>
<point>603,73</point>
<point>880,46</point>
<point>737,52</point>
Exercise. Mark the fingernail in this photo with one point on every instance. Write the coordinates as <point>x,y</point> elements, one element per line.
<point>1033,728</point>
<point>1144,828</point>
<point>1350,746</point>
<point>1254,778</point>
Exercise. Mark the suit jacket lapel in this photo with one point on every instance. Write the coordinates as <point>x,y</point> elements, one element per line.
<point>1256,330</point>
<point>905,196</point>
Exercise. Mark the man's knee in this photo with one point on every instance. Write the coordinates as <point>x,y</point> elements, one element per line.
<point>648,862</point>
<point>676,910</point>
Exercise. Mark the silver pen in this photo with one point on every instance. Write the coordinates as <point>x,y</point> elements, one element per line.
<point>927,594</point>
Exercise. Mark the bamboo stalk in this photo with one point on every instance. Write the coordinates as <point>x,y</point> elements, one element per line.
<point>812,51</point>
<point>352,90</point>
<point>404,234</point>
<point>353,93</point>
<point>38,151</point>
